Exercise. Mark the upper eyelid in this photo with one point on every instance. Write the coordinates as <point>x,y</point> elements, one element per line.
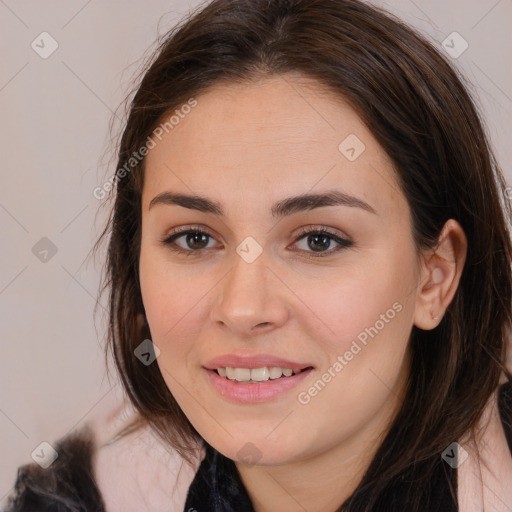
<point>303,230</point>
<point>188,229</point>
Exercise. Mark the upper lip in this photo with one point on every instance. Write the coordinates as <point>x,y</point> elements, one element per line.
<point>252,361</point>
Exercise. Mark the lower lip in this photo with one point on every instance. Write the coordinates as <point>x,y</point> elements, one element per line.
<point>246,392</point>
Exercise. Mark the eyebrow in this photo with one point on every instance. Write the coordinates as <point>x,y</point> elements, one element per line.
<point>282,208</point>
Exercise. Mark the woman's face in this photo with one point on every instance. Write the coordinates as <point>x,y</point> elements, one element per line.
<point>250,291</point>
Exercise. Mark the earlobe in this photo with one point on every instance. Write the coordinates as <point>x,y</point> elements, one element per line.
<point>440,274</point>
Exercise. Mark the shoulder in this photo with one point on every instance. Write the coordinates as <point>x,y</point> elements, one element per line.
<point>138,471</point>
<point>99,470</point>
<point>485,468</point>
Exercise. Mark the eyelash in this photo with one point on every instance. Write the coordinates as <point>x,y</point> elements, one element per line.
<point>304,232</point>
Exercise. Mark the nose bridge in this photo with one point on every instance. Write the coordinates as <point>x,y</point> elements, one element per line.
<point>247,297</point>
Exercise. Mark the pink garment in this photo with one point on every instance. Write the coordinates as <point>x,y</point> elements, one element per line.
<point>487,486</point>
<point>139,473</point>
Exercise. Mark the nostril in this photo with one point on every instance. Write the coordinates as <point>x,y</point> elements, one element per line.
<point>263,325</point>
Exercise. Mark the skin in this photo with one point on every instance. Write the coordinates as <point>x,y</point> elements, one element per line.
<point>247,147</point>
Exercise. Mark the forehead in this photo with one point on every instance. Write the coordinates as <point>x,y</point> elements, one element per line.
<point>272,138</point>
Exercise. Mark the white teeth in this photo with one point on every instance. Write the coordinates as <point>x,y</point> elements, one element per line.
<point>255,374</point>
<point>275,372</point>
<point>242,374</point>
<point>260,374</point>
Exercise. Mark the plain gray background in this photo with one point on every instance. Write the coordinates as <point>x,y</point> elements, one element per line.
<point>56,148</point>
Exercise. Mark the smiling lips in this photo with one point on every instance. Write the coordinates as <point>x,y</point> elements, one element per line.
<point>254,378</point>
<point>256,368</point>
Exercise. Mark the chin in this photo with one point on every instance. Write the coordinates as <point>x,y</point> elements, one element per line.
<point>259,451</point>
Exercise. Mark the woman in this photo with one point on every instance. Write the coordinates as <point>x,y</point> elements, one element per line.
<point>309,276</point>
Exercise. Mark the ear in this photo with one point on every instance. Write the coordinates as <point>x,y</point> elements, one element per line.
<point>440,273</point>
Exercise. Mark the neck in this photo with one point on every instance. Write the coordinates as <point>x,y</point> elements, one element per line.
<point>319,483</point>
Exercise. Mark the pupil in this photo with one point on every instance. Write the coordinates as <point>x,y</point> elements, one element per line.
<point>194,238</point>
<point>325,241</point>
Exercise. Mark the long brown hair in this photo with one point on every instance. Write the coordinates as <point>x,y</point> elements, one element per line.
<point>418,109</point>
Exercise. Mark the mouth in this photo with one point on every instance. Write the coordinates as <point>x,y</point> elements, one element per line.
<point>242,386</point>
<point>258,375</point>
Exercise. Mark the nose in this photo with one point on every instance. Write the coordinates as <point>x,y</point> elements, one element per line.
<point>251,299</point>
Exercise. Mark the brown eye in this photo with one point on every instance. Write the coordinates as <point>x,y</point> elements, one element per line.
<point>319,241</point>
<point>195,240</point>
<point>191,241</point>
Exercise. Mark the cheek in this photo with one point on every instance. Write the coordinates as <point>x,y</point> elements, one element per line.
<point>171,305</point>
<point>371,311</point>
<point>361,302</point>
<point>365,357</point>
<point>174,298</point>
<point>367,315</point>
